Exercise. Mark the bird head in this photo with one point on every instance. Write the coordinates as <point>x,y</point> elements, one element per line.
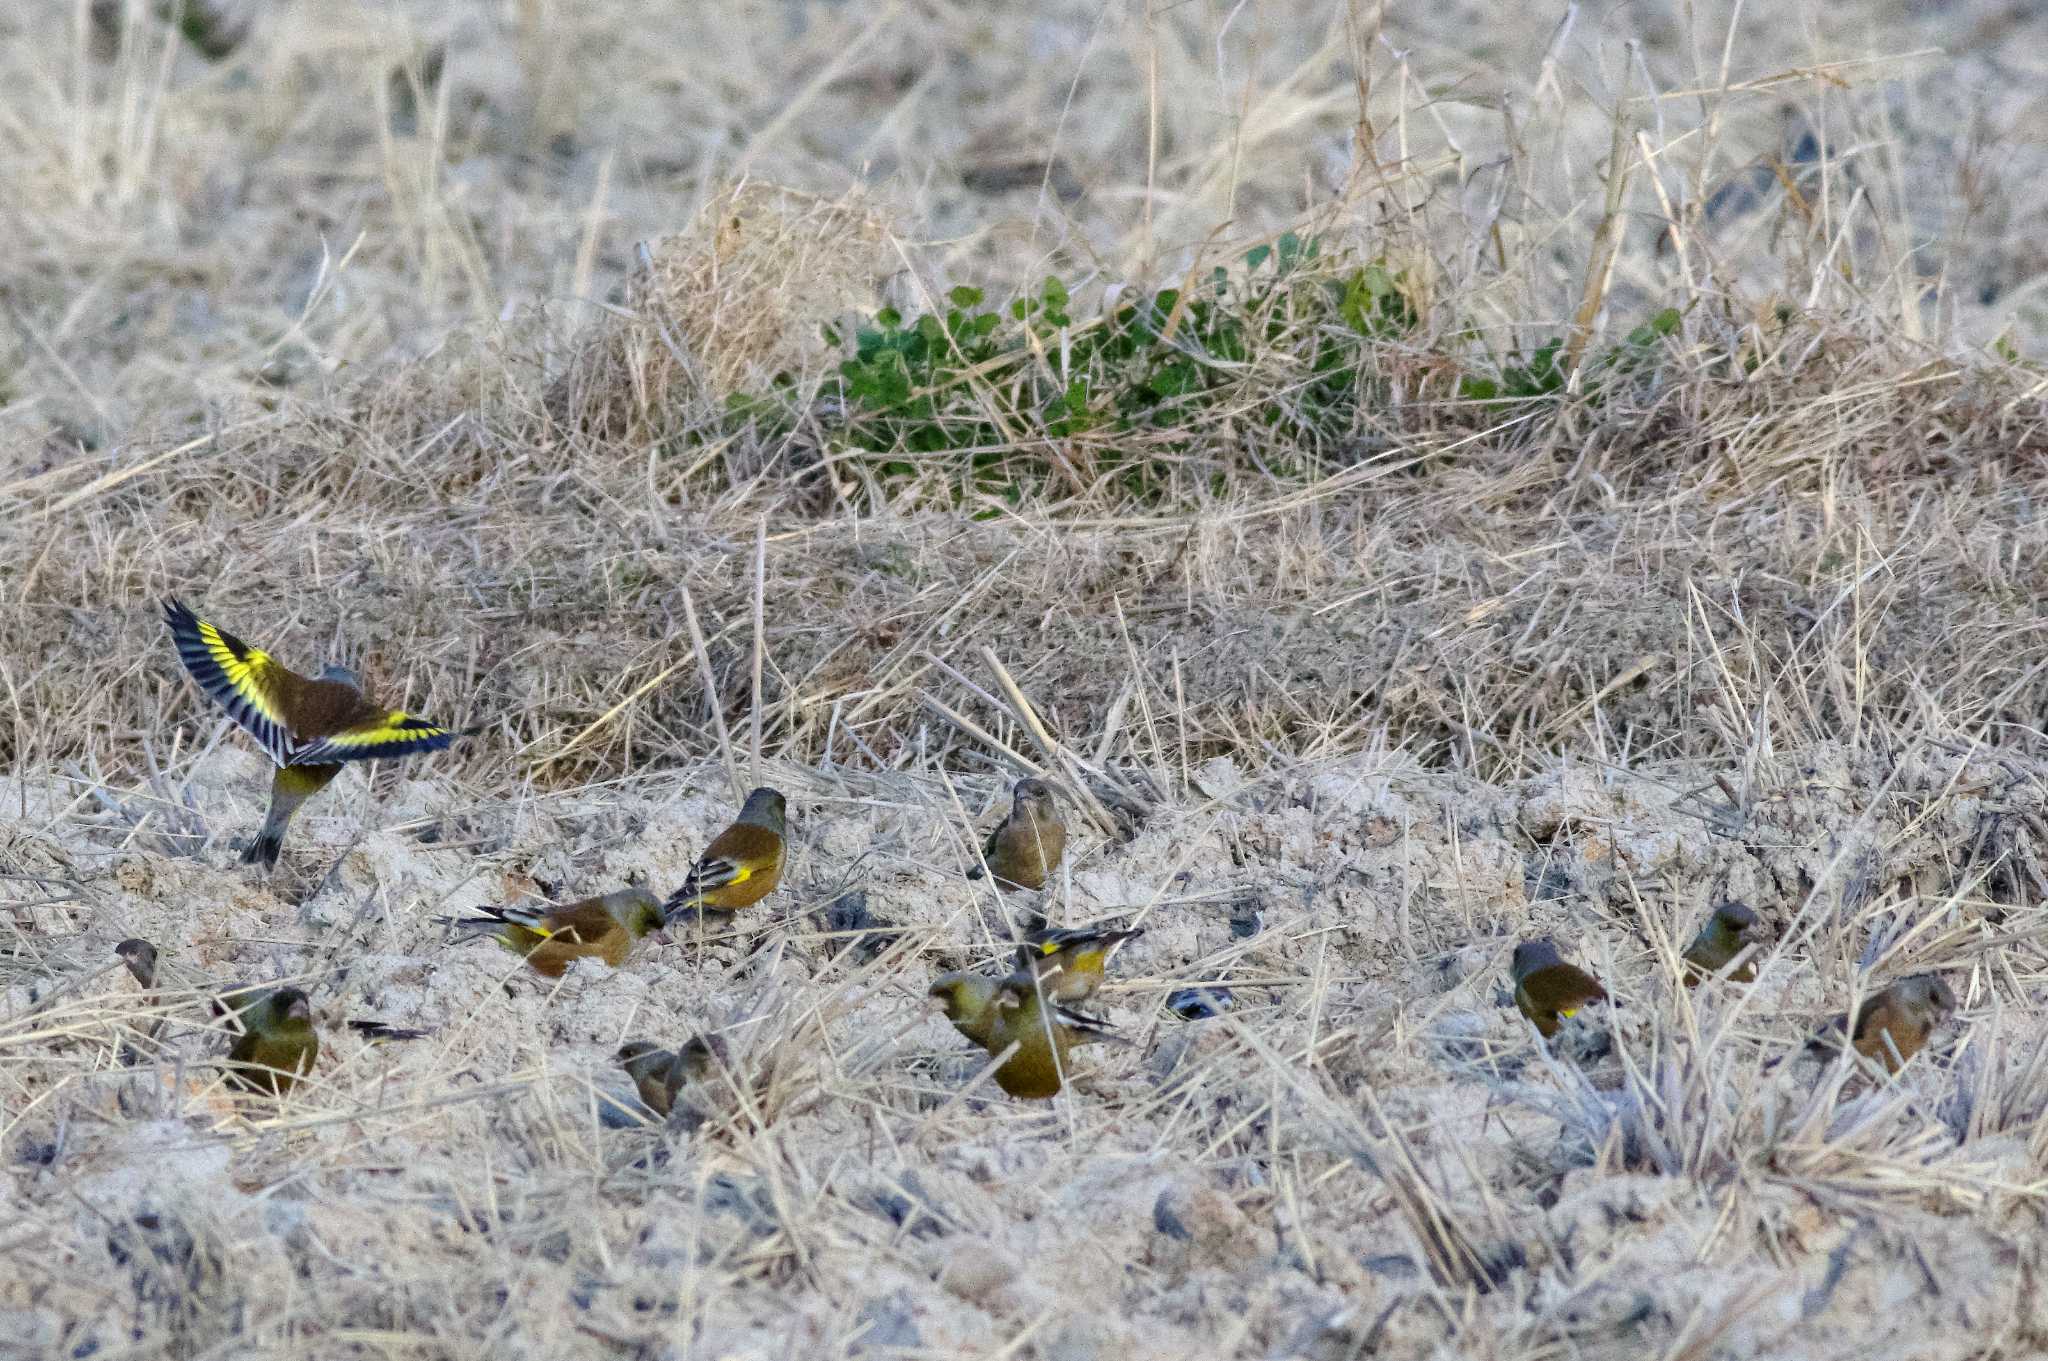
<point>334,671</point>
<point>289,1004</point>
<point>966,995</point>
<point>633,1051</point>
<point>1532,955</point>
<point>1928,996</point>
<point>1033,793</point>
<point>140,957</point>
<point>1735,919</point>
<point>766,807</point>
<point>636,909</point>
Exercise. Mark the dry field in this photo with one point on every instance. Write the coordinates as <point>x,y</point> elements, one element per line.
<point>434,338</point>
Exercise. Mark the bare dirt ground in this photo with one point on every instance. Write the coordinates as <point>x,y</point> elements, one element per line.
<point>347,337</point>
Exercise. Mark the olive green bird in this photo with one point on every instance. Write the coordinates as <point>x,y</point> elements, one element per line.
<point>660,1074</point>
<point>606,927</point>
<point>1717,944</point>
<point>275,1045</point>
<point>1069,963</point>
<point>743,863</point>
<point>999,1013</point>
<point>1548,990</point>
<point>309,726</point>
<point>1024,849</point>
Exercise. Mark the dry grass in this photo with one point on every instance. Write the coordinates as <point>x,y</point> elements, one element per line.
<point>349,337</point>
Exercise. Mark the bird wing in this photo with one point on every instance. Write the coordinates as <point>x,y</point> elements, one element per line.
<point>246,681</point>
<point>577,925</point>
<point>383,734</point>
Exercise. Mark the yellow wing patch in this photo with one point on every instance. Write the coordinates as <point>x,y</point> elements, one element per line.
<point>395,734</point>
<point>240,678</point>
<point>1567,1012</point>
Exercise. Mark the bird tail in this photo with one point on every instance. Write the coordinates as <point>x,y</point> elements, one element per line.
<point>493,920</point>
<point>269,843</point>
<point>1088,1029</point>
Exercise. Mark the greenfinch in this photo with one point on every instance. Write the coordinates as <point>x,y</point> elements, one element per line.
<point>743,863</point>
<point>1718,942</point>
<point>1547,989</point>
<point>309,726</point>
<point>999,1013</point>
<point>606,927</point>
<point>276,1043</point>
<point>660,1074</point>
<point>1893,1025</point>
<point>1069,962</point>
<point>1025,847</point>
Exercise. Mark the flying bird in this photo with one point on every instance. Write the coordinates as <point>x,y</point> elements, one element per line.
<point>309,726</point>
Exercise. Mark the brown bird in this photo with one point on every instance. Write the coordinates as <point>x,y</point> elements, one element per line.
<point>1025,848</point>
<point>660,1074</point>
<point>276,1044</point>
<point>997,1014</point>
<point>1547,989</point>
<point>605,927</point>
<point>1069,963</point>
<point>308,725</point>
<point>1718,942</point>
<point>743,863</point>
<point>1893,1024</point>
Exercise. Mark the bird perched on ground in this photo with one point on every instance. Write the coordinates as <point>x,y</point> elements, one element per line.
<point>1718,942</point>
<point>276,1043</point>
<point>1025,847</point>
<point>309,726</point>
<point>660,1074</point>
<point>605,927</point>
<point>1069,962</point>
<point>999,1013</point>
<point>743,863</point>
<point>1547,989</point>
<point>1892,1025</point>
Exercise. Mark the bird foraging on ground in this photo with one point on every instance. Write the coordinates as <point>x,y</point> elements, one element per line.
<point>309,726</point>
<point>743,863</point>
<point>999,1013</point>
<point>1548,990</point>
<point>1719,941</point>
<point>1025,848</point>
<point>605,927</point>
<point>1893,1024</point>
<point>277,1043</point>
<point>660,1074</point>
<point>1069,963</point>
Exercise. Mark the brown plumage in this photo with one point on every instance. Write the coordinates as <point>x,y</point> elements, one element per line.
<point>1726,931</point>
<point>999,1013</point>
<point>660,1074</point>
<point>309,725</point>
<point>1025,848</point>
<point>605,927</point>
<point>743,863</point>
<point>1547,989</point>
<point>1069,963</point>
<point>1892,1025</point>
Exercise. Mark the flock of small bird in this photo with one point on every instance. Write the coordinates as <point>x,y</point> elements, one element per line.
<point>1025,1019</point>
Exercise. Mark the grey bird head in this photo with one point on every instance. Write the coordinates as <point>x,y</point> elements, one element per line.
<point>334,671</point>
<point>765,807</point>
